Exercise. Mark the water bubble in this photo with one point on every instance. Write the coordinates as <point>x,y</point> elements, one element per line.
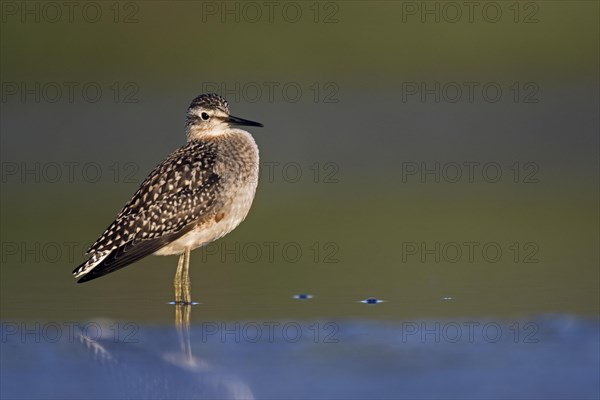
<point>372,300</point>
<point>303,296</point>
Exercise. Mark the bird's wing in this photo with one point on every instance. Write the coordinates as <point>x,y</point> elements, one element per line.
<point>125,255</point>
<point>180,191</point>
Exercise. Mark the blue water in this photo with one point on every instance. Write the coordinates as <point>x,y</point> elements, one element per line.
<point>553,356</point>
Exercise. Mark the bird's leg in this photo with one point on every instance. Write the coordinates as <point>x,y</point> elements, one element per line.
<point>187,285</point>
<point>177,283</point>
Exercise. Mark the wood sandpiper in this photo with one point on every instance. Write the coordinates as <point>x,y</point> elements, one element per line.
<point>201,192</point>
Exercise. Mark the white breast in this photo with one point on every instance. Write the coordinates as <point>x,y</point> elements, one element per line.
<point>232,215</point>
<point>237,198</point>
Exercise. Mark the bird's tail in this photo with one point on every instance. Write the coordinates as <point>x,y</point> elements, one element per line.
<point>90,264</point>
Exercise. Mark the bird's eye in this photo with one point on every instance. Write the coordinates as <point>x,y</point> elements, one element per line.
<point>204,116</point>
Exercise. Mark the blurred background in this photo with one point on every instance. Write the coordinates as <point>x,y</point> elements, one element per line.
<point>440,156</point>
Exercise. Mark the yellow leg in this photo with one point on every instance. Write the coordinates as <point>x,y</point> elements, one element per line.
<point>183,304</point>
<point>186,282</point>
<point>178,282</point>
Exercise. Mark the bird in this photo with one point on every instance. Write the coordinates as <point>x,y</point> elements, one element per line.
<point>198,194</point>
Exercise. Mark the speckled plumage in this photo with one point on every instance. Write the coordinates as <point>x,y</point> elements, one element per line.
<point>199,193</point>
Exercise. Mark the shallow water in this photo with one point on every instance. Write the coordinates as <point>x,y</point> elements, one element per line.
<point>548,356</point>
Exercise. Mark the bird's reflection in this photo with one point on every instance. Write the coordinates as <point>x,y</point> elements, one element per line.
<point>146,368</point>
<point>183,313</point>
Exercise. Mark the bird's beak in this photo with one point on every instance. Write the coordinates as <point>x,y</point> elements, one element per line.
<point>241,121</point>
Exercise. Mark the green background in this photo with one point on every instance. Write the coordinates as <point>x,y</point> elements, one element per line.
<point>359,133</point>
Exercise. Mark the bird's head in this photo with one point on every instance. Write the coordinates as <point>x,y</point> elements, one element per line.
<point>208,116</point>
